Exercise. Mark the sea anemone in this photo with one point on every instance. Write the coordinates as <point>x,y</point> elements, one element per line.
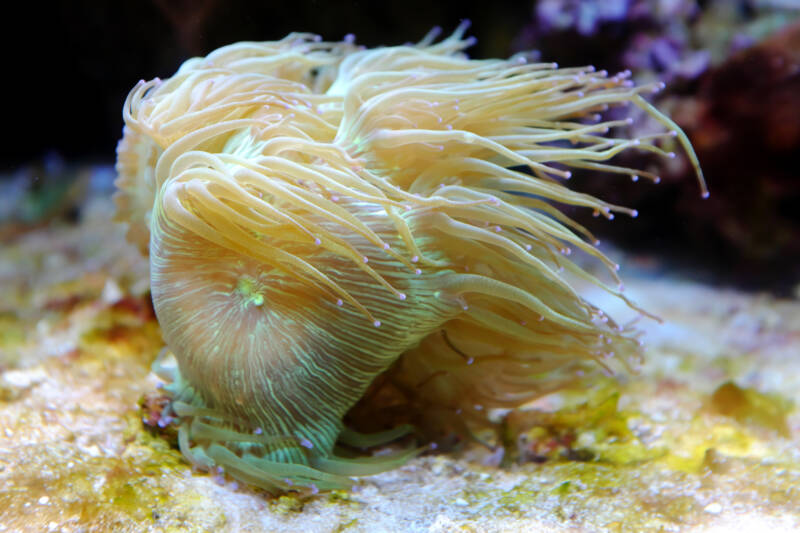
<point>320,215</point>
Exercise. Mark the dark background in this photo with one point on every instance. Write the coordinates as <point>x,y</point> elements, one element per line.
<point>70,64</point>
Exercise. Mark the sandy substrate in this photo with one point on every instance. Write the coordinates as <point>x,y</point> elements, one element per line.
<point>705,438</point>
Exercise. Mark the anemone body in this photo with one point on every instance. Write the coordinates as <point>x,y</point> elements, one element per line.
<point>319,215</point>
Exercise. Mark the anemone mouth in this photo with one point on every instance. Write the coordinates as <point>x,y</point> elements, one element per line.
<point>318,214</point>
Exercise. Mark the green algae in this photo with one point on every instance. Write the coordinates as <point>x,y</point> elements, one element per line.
<point>288,503</point>
<point>343,497</point>
<point>593,431</point>
<point>752,408</point>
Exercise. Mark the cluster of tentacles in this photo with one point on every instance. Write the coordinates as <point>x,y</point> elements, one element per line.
<point>318,215</point>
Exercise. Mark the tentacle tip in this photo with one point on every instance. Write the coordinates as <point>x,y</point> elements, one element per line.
<point>705,194</point>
